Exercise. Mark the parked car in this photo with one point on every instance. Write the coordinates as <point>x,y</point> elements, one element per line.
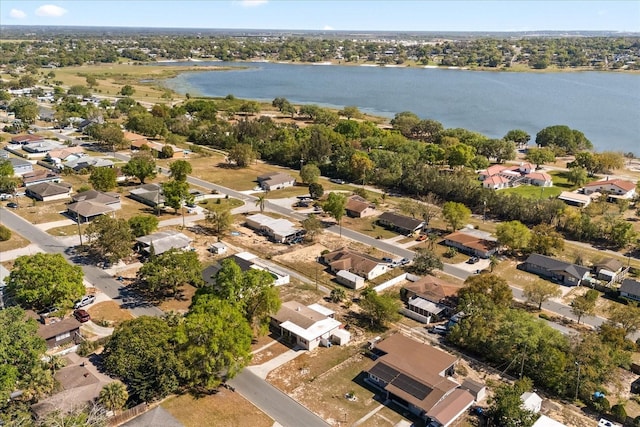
<point>439,329</point>
<point>82,315</point>
<point>387,259</point>
<point>337,181</point>
<point>5,196</point>
<point>86,300</point>
<point>48,312</point>
<point>12,205</point>
<point>404,261</point>
<point>473,260</point>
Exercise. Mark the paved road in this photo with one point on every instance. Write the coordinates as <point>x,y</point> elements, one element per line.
<point>97,277</point>
<point>273,402</point>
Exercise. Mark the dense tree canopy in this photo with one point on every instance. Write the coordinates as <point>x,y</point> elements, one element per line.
<point>163,274</point>
<point>142,165</point>
<point>110,238</point>
<point>44,280</point>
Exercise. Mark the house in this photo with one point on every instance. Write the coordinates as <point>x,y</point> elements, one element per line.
<point>276,181</point>
<point>614,188</point>
<point>26,139</point>
<point>60,333</point>
<point>91,204</point>
<point>20,166</point>
<point>349,279</point>
<point>430,297</point>
<point>357,263</point>
<point>39,176</point>
<point>540,179</point>
<point>87,162</point>
<point>162,241</point>
<point>630,288</point>
<point>218,248</point>
<point>563,272</point>
<point>306,326</point>
<point>416,376</point>
<point>278,230</point>
<point>609,269</point>
<point>572,198</point>
<point>57,157</point>
<point>491,171</point>
<point>531,402</point>
<point>131,137</point>
<point>247,261</point>
<point>473,242</point>
<point>359,207</point>
<point>149,194</point>
<point>496,182</point>
<point>544,421</point>
<point>400,223</point>
<point>48,191</point>
<point>42,147</point>
<point>83,125</point>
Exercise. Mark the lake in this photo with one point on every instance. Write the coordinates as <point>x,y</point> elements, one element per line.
<point>605,106</point>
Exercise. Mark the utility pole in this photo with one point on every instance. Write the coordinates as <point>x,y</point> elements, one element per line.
<point>79,229</point>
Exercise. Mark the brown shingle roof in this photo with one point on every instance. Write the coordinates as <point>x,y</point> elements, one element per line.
<point>357,204</point>
<point>401,221</point>
<point>471,241</point>
<point>346,259</point>
<point>433,289</point>
<point>621,183</point>
<point>49,189</point>
<point>54,329</point>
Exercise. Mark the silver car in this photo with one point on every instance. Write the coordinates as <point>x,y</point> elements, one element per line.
<point>86,300</point>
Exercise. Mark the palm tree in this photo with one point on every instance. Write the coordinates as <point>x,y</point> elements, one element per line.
<point>261,201</point>
<point>113,396</point>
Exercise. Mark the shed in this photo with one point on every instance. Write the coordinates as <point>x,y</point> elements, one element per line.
<point>218,248</point>
<point>531,402</point>
<point>349,279</point>
<point>341,337</point>
<point>477,390</point>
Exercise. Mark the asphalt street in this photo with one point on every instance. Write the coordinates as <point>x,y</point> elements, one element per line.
<point>94,275</point>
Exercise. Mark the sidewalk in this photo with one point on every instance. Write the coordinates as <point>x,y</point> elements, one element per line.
<point>15,253</point>
<point>263,370</point>
<point>54,224</point>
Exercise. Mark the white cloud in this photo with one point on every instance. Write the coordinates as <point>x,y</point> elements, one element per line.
<point>17,14</point>
<point>50,10</point>
<point>252,3</point>
<point>328,28</point>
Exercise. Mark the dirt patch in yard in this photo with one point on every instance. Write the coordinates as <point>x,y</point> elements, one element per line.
<point>224,409</point>
<point>15,242</point>
<point>269,353</point>
<point>109,311</point>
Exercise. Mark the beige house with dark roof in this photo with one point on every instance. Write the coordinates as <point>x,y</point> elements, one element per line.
<point>418,377</point>
<point>91,204</point>
<point>358,207</point>
<point>430,297</point>
<point>276,181</point>
<point>39,176</point>
<point>48,191</point>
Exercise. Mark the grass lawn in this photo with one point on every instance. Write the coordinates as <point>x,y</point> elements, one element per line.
<point>109,311</point>
<point>41,212</point>
<point>534,192</point>
<point>224,409</point>
<point>367,226</point>
<point>15,242</point>
<point>221,202</point>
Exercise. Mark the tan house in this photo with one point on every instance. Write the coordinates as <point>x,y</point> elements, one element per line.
<point>418,377</point>
<point>354,262</point>
<point>359,207</point>
<point>276,181</point>
<point>39,176</point>
<point>49,191</point>
<point>472,242</point>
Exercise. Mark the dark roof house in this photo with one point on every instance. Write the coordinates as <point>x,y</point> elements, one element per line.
<point>275,181</point>
<point>357,263</point>
<point>430,297</point>
<point>359,207</point>
<point>563,272</point>
<point>401,223</point>
<point>472,242</point>
<point>47,191</point>
<point>630,289</point>
<point>60,333</point>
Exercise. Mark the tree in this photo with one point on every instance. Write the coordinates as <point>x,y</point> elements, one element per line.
<point>166,152</point>
<point>176,195</point>
<point>91,81</point>
<point>619,412</point>
<point>626,316</point>
<point>180,170</point>
<point>309,173</point>
<point>113,396</point>
<point>142,225</point>
<point>520,137</point>
<point>220,219</point>
<point>335,206</point>
<point>540,291</point>
<point>563,138</point>
<point>316,190</point>
<point>45,280</point>
<point>584,304</point>
<point>141,352</point>
<point>506,408</point>
<point>103,179</point>
<point>539,156</point>
<point>88,415</point>
<point>127,90</point>
<point>142,165</point>
<point>312,226</point>
<point>621,233</point>
<point>110,238</point>
<point>337,295</point>
<point>545,240</point>
<point>351,112</point>
<point>577,176</point>
<point>425,262</point>
<point>489,286</point>
<point>261,201</point>
<point>379,309</point>
<point>360,165</point>
<point>166,272</point>
<point>21,350</point>
<point>214,342</point>
<point>24,109</point>
<point>514,235</point>
<point>242,155</point>
<point>455,214</point>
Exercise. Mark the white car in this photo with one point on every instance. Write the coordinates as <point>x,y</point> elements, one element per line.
<point>5,196</point>
<point>86,300</point>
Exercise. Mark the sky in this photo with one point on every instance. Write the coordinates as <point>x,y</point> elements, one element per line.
<point>341,15</point>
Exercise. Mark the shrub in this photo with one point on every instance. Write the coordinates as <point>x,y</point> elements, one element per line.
<point>5,233</point>
<point>619,412</point>
<point>544,316</point>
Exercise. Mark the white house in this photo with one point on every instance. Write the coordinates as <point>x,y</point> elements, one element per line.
<point>357,263</point>
<point>308,326</point>
<point>531,402</point>
<point>218,248</point>
<point>276,181</point>
<point>162,241</point>
<point>349,279</point>
<point>247,260</point>
<point>496,182</point>
<point>615,188</point>
<point>540,179</point>
<point>279,230</point>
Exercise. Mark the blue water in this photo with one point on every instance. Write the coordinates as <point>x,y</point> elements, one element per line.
<point>605,106</point>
